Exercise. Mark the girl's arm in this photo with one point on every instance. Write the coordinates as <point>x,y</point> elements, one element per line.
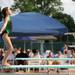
<point>4,25</point>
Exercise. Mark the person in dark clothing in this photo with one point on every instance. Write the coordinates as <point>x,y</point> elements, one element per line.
<point>21,62</point>
<point>1,56</point>
<point>22,55</point>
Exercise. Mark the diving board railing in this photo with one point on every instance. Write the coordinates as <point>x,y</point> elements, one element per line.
<point>42,66</point>
<point>45,59</point>
<point>38,66</point>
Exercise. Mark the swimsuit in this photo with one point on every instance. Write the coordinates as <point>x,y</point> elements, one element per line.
<point>8,28</point>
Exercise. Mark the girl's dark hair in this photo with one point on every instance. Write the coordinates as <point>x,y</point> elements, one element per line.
<point>4,12</point>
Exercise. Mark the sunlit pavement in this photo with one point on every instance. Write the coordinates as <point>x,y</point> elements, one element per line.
<point>64,72</point>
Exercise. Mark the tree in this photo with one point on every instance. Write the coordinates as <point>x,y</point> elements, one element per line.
<point>66,19</point>
<point>73,0</point>
<point>47,7</point>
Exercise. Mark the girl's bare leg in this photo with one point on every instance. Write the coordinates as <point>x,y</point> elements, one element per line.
<point>9,46</point>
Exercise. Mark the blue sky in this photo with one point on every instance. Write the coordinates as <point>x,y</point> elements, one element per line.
<point>69,6</point>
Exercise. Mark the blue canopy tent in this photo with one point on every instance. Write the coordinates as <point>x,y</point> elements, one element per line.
<point>37,24</point>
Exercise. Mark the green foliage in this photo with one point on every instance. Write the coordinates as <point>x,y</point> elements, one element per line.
<point>73,0</point>
<point>47,7</point>
<point>66,19</point>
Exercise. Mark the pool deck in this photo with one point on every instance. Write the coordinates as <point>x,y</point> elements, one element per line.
<point>62,72</point>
